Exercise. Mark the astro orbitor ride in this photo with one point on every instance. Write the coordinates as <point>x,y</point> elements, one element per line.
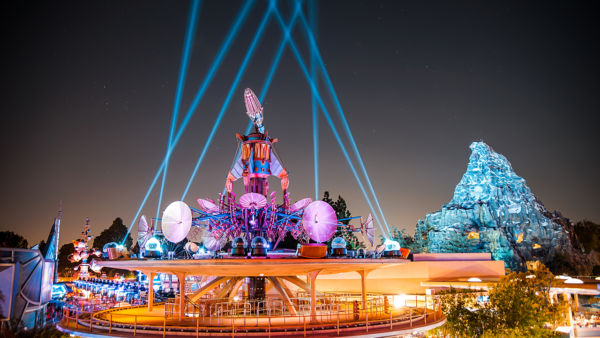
<point>256,213</point>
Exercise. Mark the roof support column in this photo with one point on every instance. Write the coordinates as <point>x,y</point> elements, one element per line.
<point>181,282</point>
<point>313,295</point>
<point>363,284</point>
<point>151,291</point>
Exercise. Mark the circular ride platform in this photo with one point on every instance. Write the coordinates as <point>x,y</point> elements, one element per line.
<point>251,267</point>
<point>232,271</point>
<point>308,312</point>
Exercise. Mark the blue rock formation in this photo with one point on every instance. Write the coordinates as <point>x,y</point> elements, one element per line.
<point>493,210</point>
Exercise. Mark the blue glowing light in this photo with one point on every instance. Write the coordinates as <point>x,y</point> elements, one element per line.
<point>391,245</point>
<point>153,245</point>
<point>311,78</point>
<point>241,71</point>
<point>341,114</point>
<point>187,51</point>
<point>312,4</point>
<point>274,65</point>
<point>326,113</point>
<point>239,20</point>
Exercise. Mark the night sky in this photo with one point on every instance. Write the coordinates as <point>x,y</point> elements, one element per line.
<point>89,89</point>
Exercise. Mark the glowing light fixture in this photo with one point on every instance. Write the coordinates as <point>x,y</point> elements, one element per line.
<point>474,280</point>
<point>232,90</point>
<point>341,112</point>
<point>153,245</point>
<point>473,235</point>
<point>573,281</point>
<point>391,245</point>
<point>328,117</point>
<point>187,51</point>
<point>240,18</point>
<point>400,301</point>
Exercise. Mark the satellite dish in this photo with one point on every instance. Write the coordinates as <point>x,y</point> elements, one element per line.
<point>367,229</point>
<point>195,234</point>
<point>94,266</point>
<point>176,221</point>
<point>301,204</point>
<point>210,242</point>
<point>145,231</point>
<point>253,200</point>
<point>191,247</point>
<point>207,206</point>
<point>320,221</point>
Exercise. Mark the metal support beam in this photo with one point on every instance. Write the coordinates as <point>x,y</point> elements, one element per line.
<point>282,292</point>
<point>299,282</point>
<point>227,287</point>
<point>285,288</point>
<point>203,290</point>
<point>235,288</point>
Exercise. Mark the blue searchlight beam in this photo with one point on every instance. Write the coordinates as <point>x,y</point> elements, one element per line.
<point>187,51</point>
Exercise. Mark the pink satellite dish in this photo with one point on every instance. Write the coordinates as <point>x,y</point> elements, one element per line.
<point>207,206</point>
<point>176,221</point>
<point>367,229</point>
<point>210,242</point>
<point>320,221</point>
<point>145,231</point>
<point>301,204</point>
<point>253,200</point>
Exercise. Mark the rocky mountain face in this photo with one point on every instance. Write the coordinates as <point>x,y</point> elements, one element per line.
<point>493,210</point>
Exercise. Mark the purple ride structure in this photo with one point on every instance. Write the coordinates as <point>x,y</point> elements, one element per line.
<point>250,223</point>
<point>255,217</point>
<point>257,214</point>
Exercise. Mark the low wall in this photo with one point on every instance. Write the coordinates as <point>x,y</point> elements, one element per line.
<point>407,278</point>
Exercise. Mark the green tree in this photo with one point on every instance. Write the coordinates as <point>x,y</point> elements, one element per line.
<point>65,267</point>
<point>9,239</point>
<point>342,212</point>
<point>560,265</point>
<point>588,234</point>
<point>115,233</point>
<point>519,305</point>
<point>405,240</point>
<point>288,242</point>
<point>42,245</point>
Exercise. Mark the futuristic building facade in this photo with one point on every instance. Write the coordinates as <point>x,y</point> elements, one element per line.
<point>26,279</point>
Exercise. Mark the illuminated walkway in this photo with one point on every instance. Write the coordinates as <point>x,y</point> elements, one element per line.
<point>137,321</point>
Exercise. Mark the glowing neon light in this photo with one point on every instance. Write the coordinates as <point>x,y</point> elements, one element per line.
<point>240,18</point>
<point>341,113</point>
<point>265,88</point>
<point>269,78</point>
<point>315,113</point>
<point>187,51</point>
<point>241,71</point>
<point>326,113</point>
